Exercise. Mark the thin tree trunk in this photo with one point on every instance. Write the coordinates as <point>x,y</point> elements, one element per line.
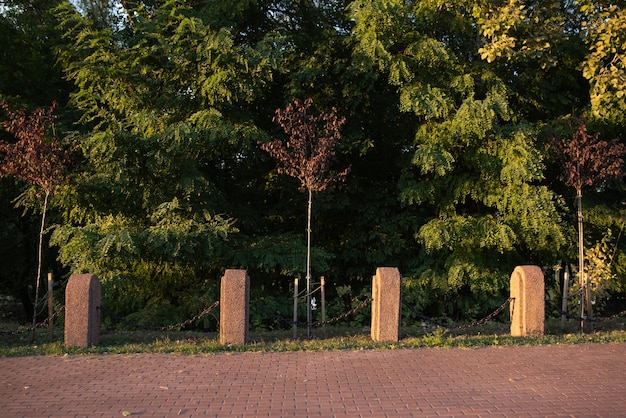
<point>564,297</point>
<point>39,263</point>
<point>585,296</point>
<point>308,266</point>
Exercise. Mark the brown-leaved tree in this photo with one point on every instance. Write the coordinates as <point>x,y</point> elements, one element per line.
<point>37,156</point>
<point>307,155</point>
<point>587,161</point>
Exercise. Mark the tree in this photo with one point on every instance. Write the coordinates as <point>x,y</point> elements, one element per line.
<point>445,104</point>
<point>587,162</point>
<point>473,170</point>
<point>536,48</point>
<point>40,158</point>
<point>30,77</point>
<point>307,155</point>
<point>161,101</point>
<point>29,73</point>
<point>605,65</point>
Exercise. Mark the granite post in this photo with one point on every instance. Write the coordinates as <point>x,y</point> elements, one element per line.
<point>386,304</point>
<point>82,310</point>
<point>234,309</point>
<point>527,306</point>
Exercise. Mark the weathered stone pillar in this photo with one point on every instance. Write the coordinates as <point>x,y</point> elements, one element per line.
<point>234,309</point>
<point>386,304</point>
<point>82,310</point>
<point>528,305</point>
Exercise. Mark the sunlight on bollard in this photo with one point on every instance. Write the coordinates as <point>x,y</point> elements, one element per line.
<point>234,307</point>
<point>528,301</point>
<point>386,304</point>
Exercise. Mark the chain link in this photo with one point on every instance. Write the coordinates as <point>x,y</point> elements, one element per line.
<point>37,325</point>
<point>267,312</point>
<point>352,311</point>
<point>617,315</point>
<point>471,324</point>
<point>487,318</point>
<point>578,318</point>
<point>183,324</point>
<point>317,323</point>
<point>336,319</point>
<point>194,319</point>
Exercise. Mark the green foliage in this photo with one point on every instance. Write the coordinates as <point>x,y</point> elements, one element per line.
<point>346,299</point>
<point>271,313</point>
<point>537,48</point>
<point>280,254</point>
<point>476,168</point>
<point>483,182</point>
<point>30,78</point>
<point>447,107</point>
<point>601,275</point>
<point>145,215</point>
<point>415,298</point>
<point>604,66</point>
<point>29,73</point>
<point>139,263</point>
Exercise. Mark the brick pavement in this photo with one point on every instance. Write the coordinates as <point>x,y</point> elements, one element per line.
<point>571,380</point>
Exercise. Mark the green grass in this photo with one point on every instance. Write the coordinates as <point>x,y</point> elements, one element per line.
<point>18,342</point>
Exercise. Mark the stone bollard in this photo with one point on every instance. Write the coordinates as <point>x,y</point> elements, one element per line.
<point>234,309</point>
<point>528,305</point>
<point>386,304</point>
<point>82,310</point>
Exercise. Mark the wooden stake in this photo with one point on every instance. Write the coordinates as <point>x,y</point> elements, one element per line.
<point>50,308</point>
<point>295,309</point>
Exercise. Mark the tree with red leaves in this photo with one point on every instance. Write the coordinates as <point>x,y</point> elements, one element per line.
<point>307,155</point>
<point>37,157</point>
<point>587,161</point>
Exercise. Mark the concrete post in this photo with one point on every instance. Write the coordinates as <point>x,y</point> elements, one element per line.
<point>528,305</point>
<point>386,304</point>
<point>82,310</point>
<point>234,309</point>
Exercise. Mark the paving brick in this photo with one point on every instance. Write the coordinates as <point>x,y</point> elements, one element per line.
<point>579,380</point>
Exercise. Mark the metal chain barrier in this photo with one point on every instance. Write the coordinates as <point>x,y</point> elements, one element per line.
<point>471,324</point>
<point>290,322</point>
<point>268,313</point>
<point>38,325</point>
<point>194,319</point>
<point>180,325</point>
<point>578,318</point>
<point>351,312</point>
<point>365,302</point>
<point>612,317</point>
<point>488,317</point>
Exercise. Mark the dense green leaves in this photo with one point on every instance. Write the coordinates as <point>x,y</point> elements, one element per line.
<point>605,65</point>
<point>147,204</point>
<point>447,108</point>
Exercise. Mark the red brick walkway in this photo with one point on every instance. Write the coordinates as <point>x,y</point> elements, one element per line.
<point>576,380</point>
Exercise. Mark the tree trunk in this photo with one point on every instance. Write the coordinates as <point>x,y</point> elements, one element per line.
<point>585,295</point>
<point>39,263</point>
<point>308,266</point>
